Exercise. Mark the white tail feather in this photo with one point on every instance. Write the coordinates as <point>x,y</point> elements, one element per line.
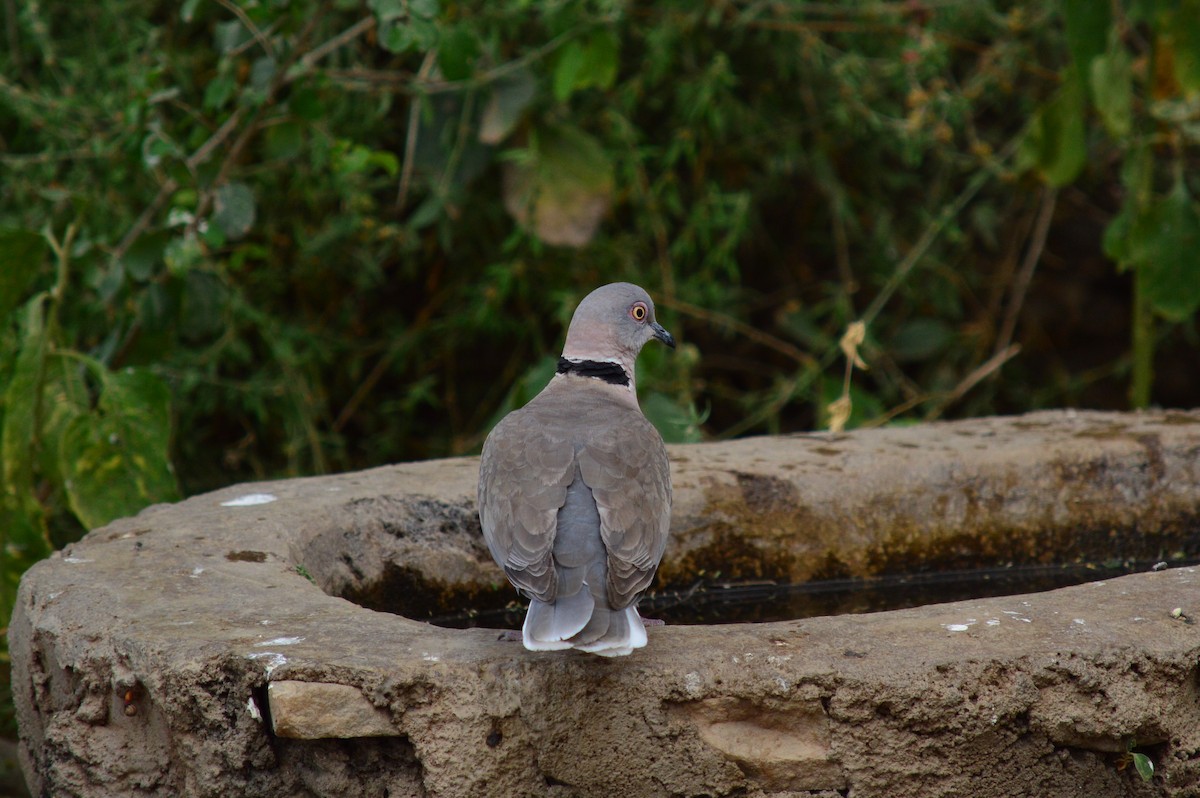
<point>547,626</point>
<point>622,638</point>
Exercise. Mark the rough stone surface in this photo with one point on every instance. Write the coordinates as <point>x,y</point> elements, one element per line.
<point>315,710</point>
<point>142,655</point>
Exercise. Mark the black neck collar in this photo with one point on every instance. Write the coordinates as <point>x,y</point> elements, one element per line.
<point>612,373</point>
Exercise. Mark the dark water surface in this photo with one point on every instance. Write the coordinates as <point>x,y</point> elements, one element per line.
<point>708,602</point>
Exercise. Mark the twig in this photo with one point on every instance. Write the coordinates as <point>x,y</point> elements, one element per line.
<point>227,128</point>
<point>753,333</point>
<point>78,154</point>
<point>934,230</point>
<point>410,136</point>
<point>345,37</point>
<point>653,211</point>
<point>988,368</point>
<point>418,326</point>
<point>841,250</point>
<point>947,398</point>
<point>238,12</point>
<point>171,185</point>
<point>802,381</point>
<point>1037,244</point>
<point>507,68</point>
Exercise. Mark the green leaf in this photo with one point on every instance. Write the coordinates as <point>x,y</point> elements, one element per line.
<point>426,213</point>
<point>586,64</point>
<point>143,258</point>
<point>562,188</point>
<point>350,158</point>
<point>22,519</point>
<point>284,141</point>
<point>202,312</point>
<point>566,70</point>
<point>21,252</point>
<point>457,52</point>
<point>387,10</point>
<point>1056,144</point>
<point>600,60</point>
<point>1087,23</point>
<point>675,423</point>
<point>424,9</point>
<point>1116,235</point>
<point>263,72</point>
<point>1185,38</point>
<point>1163,244</point>
<point>1144,765</point>
<point>22,403</point>
<point>25,542</point>
<point>413,33</point>
<point>1112,90</point>
<point>220,90</point>
<point>510,97</point>
<point>235,209</point>
<point>187,11</point>
<point>115,458</point>
<point>154,308</point>
<point>229,36</point>
<point>307,104</point>
<point>64,396</point>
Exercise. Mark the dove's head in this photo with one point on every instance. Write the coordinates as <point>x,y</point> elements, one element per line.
<point>613,323</point>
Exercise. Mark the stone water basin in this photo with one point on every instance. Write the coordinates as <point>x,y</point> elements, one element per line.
<point>233,643</point>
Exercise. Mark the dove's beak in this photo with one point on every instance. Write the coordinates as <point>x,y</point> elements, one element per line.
<point>661,334</point>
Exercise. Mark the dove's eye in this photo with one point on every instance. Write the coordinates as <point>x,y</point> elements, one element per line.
<point>638,311</point>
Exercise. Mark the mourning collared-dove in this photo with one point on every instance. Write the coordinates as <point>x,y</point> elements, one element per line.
<point>575,487</point>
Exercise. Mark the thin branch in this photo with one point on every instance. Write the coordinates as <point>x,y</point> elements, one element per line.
<point>411,333</point>
<point>509,67</point>
<point>987,369</point>
<point>801,382</point>
<point>410,136</point>
<point>78,154</point>
<point>171,185</point>
<point>934,229</point>
<point>753,333</point>
<point>145,218</point>
<point>1037,244</point>
<point>950,397</point>
<point>238,12</point>
<point>309,59</point>
<point>841,251</point>
<point>654,211</point>
<point>283,77</point>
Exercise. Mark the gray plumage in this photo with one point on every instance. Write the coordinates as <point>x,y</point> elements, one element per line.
<point>575,487</point>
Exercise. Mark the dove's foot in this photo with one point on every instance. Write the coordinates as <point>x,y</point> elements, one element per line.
<point>653,622</point>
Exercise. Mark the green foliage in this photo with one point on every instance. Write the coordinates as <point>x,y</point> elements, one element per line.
<point>1142,763</point>
<point>113,459</point>
<point>1142,64</point>
<point>58,452</point>
<point>1144,766</point>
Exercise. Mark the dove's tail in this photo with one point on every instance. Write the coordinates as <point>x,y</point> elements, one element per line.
<point>580,615</point>
<point>563,624</point>
<point>625,633</point>
<point>550,625</point>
